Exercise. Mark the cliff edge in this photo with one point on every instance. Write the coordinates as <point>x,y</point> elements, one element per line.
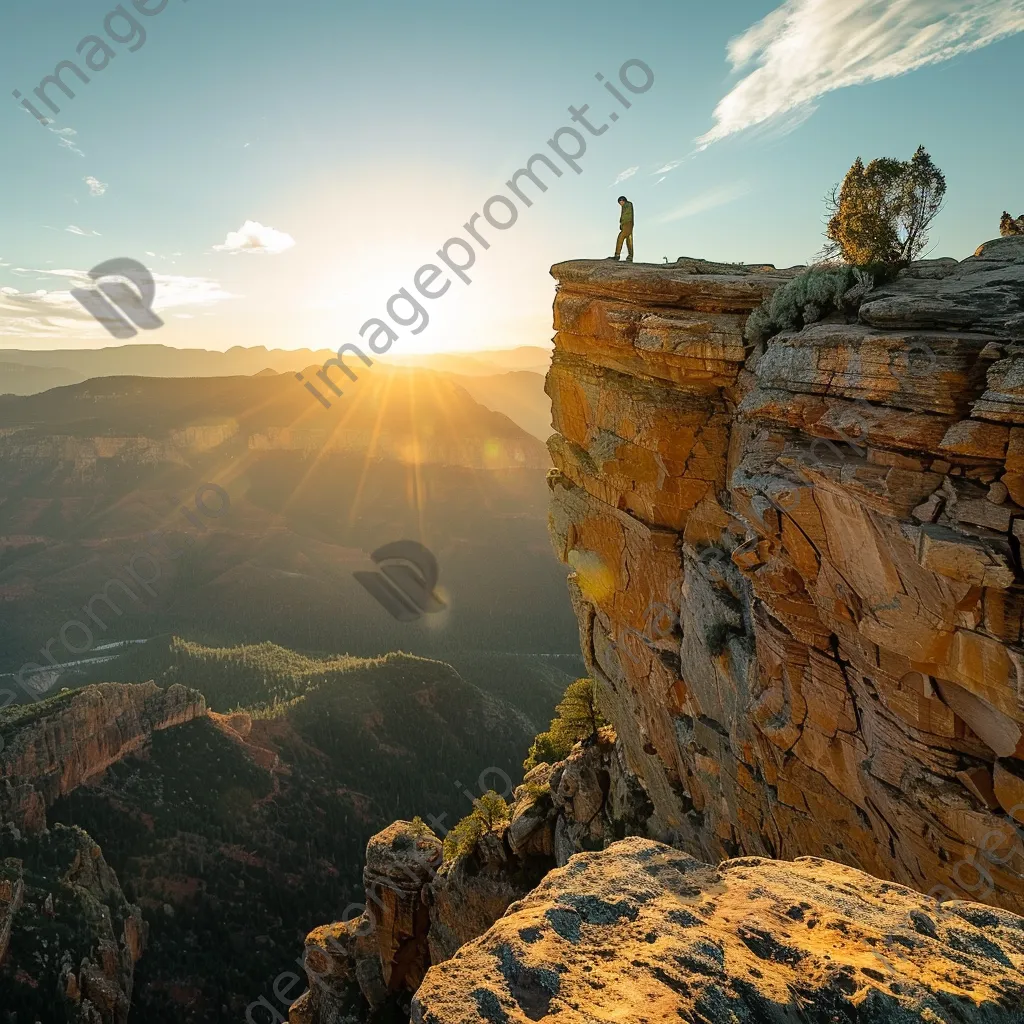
<point>797,563</point>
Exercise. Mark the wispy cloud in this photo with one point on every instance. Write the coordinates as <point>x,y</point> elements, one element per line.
<point>76,230</point>
<point>807,48</point>
<point>670,166</point>
<point>96,187</point>
<point>720,195</point>
<point>624,175</point>
<point>253,237</point>
<point>66,138</point>
<point>57,314</point>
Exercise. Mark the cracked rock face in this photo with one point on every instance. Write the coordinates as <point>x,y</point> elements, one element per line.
<point>797,567</point>
<point>642,933</point>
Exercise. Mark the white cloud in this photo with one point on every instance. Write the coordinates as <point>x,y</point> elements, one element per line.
<point>96,187</point>
<point>807,48</point>
<point>627,173</point>
<point>255,238</point>
<point>57,314</point>
<point>76,230</point>
<point>720,195</point>
<point>66,138</point>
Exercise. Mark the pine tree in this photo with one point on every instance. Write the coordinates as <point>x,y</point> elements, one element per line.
<point>577,717</point>
<point>881,213</point>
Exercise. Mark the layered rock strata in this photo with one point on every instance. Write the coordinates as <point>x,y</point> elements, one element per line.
<point>640,932</point>
<point>797,565</point>
<point>51,748</point>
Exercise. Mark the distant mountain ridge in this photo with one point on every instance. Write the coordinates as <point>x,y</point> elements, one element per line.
<point>24,372</point>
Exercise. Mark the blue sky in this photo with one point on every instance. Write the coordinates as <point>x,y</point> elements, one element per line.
<point>358,138</point>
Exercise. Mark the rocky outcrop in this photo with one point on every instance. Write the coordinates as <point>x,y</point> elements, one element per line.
<point>50,748</point>
<point>582,803</point>
<point>74,939</point>
<point>641,932</point>
<point>373,959</point>
<point>27,446</point>
<point>421,909</point>
<point>796,565</point>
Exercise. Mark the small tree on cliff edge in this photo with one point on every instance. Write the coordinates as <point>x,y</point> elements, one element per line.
<point>881,213</point>
<point>577,717</point>
<point>1010,225</point>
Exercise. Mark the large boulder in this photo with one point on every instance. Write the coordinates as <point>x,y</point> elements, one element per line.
<point>642,933</point>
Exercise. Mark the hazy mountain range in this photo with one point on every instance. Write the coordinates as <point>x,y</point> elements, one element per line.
<point>509,381</point>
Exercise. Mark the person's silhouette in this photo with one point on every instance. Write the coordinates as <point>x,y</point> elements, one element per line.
<point>625,230</point>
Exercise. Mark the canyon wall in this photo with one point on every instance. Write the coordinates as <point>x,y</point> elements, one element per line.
<point>797,564</point>
<point>52,747</point>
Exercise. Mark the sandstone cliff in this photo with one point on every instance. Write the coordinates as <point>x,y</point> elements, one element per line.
<point>54,746</point>
<point>640,932</point>
<point>797,568</point>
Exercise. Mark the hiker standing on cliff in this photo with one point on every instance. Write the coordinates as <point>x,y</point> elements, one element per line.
<point>625,230</point>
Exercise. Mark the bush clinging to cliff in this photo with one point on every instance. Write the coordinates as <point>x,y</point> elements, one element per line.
<point>489,813</point>
<point>577,717</point>
<point>804,300</point>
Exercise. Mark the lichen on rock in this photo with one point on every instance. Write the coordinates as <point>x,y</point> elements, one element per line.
<point>640,933</point>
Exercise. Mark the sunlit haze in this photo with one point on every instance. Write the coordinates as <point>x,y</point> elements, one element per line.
<point>330,131</point>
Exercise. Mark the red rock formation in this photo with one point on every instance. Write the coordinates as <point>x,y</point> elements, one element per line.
<point>51,748</point>
<point>421,911</point>
<point>12,892</point>
<point>806,648</point>
<point>384,951</point>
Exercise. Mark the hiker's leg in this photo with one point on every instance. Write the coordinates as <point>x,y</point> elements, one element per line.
<point>618,242</point>
<point>629,244</point>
